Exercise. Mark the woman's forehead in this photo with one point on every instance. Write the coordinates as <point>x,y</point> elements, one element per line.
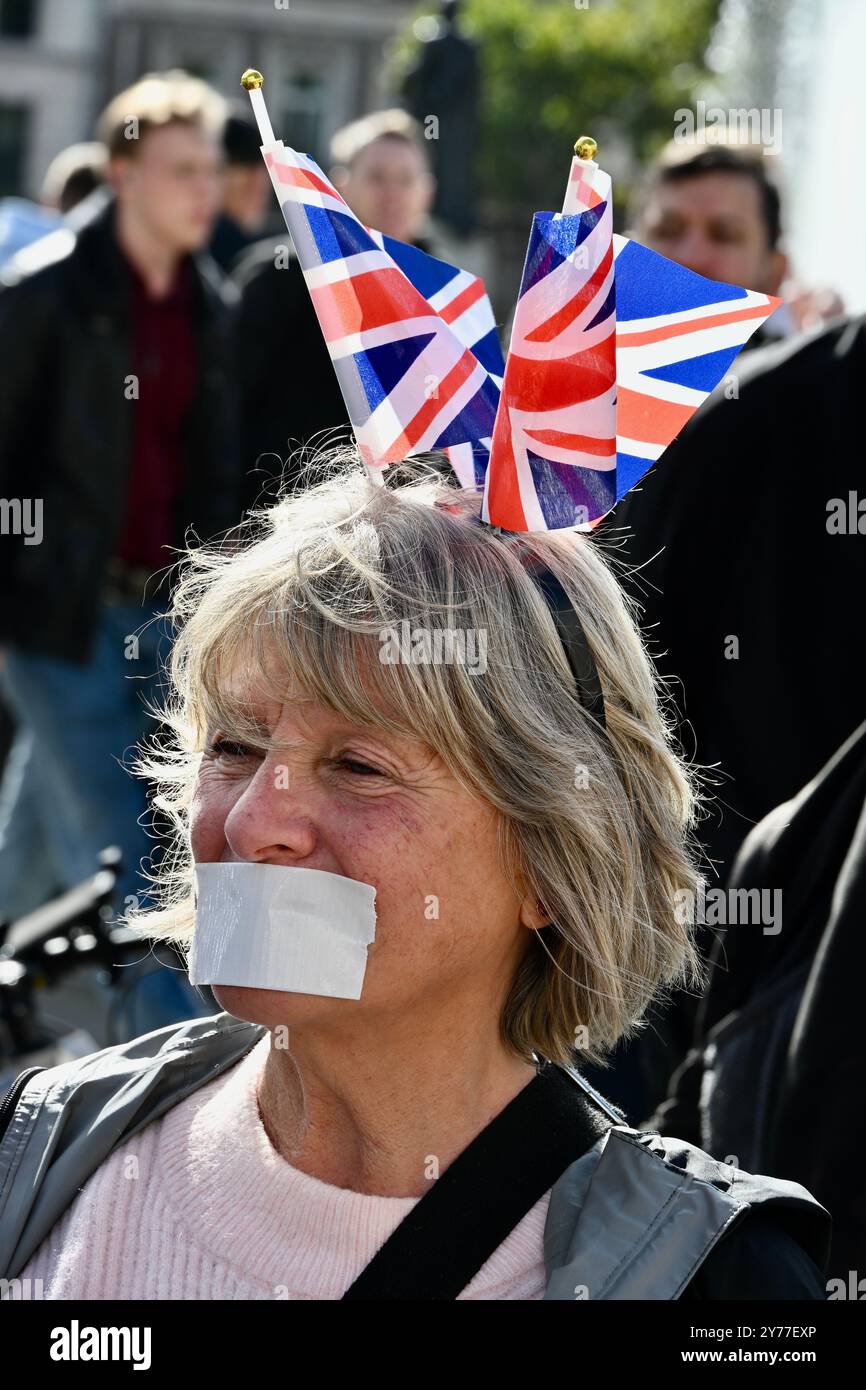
<point>268,701</point>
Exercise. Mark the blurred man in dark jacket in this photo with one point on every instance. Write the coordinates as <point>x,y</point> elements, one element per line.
<point>750,564</point>
<point>746,547</point>
<point>117,433</point>
<point>290,396</point>
<point>248,196</point>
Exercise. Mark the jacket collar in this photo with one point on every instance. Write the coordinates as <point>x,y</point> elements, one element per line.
<point>622,1225</point>
<point>102,278</point>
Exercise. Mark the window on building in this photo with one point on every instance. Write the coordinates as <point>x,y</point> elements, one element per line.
<point>13,146</point>
<point>197,68</point>
<point>17,18</point>
<point>302,110</point>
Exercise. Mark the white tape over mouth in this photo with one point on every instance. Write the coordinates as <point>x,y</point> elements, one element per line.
<point>268,926</point>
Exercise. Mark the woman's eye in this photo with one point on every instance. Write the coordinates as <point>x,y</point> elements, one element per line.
<point>357,768</point>
<point>229,748</point>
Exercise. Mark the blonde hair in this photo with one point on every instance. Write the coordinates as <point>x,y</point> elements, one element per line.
<point>155,100</point>
<point>594,824</point>
<point>393,124</point>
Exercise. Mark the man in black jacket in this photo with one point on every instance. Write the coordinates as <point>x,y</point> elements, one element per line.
<point>751,559</point>
<point>747,550</point>
<point>117,433</point>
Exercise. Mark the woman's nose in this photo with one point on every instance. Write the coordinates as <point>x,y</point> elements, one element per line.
<point>272,820</point>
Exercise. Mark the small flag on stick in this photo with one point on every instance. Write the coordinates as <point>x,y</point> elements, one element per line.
<point>412,338</point>
<point>613,349</point>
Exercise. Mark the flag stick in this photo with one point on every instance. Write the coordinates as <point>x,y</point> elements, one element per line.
<point>252,82</point>
<point>583,167</point>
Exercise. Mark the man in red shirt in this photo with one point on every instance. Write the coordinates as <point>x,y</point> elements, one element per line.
<point>118,412</point>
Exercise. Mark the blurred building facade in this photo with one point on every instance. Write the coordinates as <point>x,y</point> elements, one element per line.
<point>62,59</point>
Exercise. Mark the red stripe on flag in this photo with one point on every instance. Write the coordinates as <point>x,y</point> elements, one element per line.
<point>585,191</point>
<point>464,301</point>
<point>413,431</point>
<point>552,383</point>
<point>371,300</point>
<point>676,330</point>
<point>504,506</point>
<point>552,327</point>
<point>585,443</point>
<point>650,420</point>
<point>305,178</point>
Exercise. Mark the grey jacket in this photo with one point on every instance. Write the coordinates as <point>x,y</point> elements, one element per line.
<point>636,1217</point>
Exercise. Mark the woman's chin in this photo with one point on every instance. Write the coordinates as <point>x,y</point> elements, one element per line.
<point>272,1007</point>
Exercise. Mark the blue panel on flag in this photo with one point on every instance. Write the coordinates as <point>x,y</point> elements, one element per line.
<point>570,495</point>
<point>648,284</point>
<point>606,309</point>
<point>481,459</point>
<point>566,233</point>
<point>380,368</point>
<point>369,380</point>
<point>552,240</point>
<point>629,470</point>
<point>427,274</point>
<point>475,420</point>
<point>701,373</point>
<point>488,351</point>
<point>337,235</point>
<point>541,256</point>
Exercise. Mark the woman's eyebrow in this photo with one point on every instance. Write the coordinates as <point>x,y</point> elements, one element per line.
<point>332,724</point>
<point>237,719</point>
<point>396,742</point>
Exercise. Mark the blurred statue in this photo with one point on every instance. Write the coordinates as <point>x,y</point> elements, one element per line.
<point>442,91</point>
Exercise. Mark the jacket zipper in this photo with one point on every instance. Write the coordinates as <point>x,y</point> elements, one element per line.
<point>12,1096</point>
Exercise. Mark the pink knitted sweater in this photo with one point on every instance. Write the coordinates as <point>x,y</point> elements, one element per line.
<point>199,1205</point>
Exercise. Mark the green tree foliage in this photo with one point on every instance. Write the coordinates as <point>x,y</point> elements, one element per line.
<point>553,71</point>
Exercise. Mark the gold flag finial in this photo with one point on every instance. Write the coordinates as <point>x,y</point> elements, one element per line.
<point>585,147</point>
<point>252,81</point>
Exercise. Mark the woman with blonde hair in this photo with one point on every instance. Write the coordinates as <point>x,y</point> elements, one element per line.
<point>369,686</point>
<point>432,850</point>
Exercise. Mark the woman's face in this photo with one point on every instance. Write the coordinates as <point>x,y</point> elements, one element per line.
<point>386,811</point>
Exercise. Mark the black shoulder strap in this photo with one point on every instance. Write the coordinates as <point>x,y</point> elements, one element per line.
<point>441,1244</point>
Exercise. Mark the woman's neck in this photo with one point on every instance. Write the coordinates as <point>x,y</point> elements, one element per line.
<point>388,1124</point>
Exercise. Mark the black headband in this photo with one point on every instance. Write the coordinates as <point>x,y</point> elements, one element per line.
<point>573,639</point>
<point>570,629</point>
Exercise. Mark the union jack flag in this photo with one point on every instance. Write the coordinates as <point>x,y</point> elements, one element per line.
<point>677,334</point>
<point>412,338</point>
<point>613,348</point>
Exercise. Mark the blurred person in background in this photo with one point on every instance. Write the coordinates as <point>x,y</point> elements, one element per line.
<point>72,176</point>
<point>381,168</point>
<point>118,399</point>
<point>289,392</point>
<point>716,210</point>
<point>247,194</point>
<point>75,179</point>
<point>728,547</point>
<point>746,548</point>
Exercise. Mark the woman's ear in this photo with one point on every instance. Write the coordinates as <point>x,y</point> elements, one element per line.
<point>533,913</point>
